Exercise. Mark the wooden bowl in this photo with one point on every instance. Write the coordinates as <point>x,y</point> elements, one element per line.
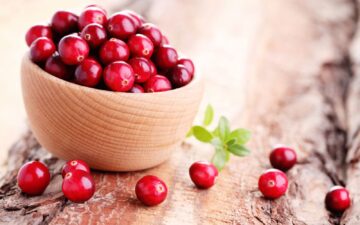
<point>111,131</point>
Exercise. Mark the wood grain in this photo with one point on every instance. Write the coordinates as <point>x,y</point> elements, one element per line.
<point>302,91</point>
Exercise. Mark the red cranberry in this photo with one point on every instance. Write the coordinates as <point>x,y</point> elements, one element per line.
<point>180,76</point>
<point>338,199</point>
<point>76,164</point>
<point>92,15</point>
<point>114,50</point>
<point>119,76</point>
<point>152,32</point>
<point>33,178</point>
<point>78,186</point>
<point>96,6</point>
<point>94,34</point>
<point>137,88</point>
<point>140,46</point>
<point>142,69</point>
<point>137,19</point>
<point>203,174</point>
<point>189,65</point>
<point>120,25</point>
<point>166,57</point>
<point>55,66</point>
<point>150,190</point>
<point>37,31</point>
<point>164,40</point>
<point>42,49</point>
<point>273,183</point>
<point>88,73</point>
<point>157,83</point>
<point>283,158</point>
<point>73,49</point>
<point>153,68</point>
<point>64,22</point>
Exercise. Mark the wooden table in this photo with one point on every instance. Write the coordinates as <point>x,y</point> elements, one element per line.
<point>302,88</point>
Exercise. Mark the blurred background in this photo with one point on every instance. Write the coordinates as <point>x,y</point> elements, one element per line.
<point>217,35</point>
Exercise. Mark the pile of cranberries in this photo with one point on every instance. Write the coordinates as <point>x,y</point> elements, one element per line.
<point>273,183</point>
<point>77,186</point>
<point>121,52</point>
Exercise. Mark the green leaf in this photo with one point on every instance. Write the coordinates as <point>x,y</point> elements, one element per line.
<point>219,159</point>
<point>217,143</point>
<point>224,128</point>
<point>238,150</point>
<point>241,136</point>
<point>209,115</point>
<point>190,133</point>
<point>202,134</point>
<point>231,142</point>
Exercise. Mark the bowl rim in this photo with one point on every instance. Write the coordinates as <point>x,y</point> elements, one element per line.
<point>52,78</point>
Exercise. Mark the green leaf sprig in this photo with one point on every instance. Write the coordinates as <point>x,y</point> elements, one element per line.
<point>224,140</point>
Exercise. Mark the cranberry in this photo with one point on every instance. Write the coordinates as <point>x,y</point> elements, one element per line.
<point>337,199</point>
<point>166,57</point>
<point>283,158</point>
<point>94,34</point>
<point>164,40</point>
<point>96,6</point>
<point>150,190</point>
<point>136,18</point>
<point>37,31</point>
<point>78,186</point>
<point>33,178</point>
<point>152,68</point>
<point>141,46</point>
<point>42,49</point>
<point>157,83</point>
<point>137,88</point>
<point>120,25</point>
<point>76,164</point>
<point>114,50</point>
<point>273,183</point>
<point>119,76</point>
<point>64,22</point>
<point>180,76</point>
<point>142,69</point>
<point>92,15</point>
<point>73,49</point>
<point>88,73</point>
<point>152,32</point>
<point>55,66</point>
<point>203,174</point>
<point>189,65</point>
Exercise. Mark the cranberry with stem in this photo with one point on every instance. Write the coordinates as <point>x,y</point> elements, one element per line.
<point>42,49</point>
<point>152,32</point>
<point>121,25</point>
<point>75,164</point>
<point>142,69</point>
<point>37,31</point>
<point>203,174</point>
<point>94,34</point>
<point>137,88</point>
<point>180,76</point>
<point>73,49</point>
<point>151,190</point>
<point>119,76</point>
<point>92,15</point>
<point>78,186</point>
<point>64,22</point>
<point>33,178</point>
<point>283,158</point>
<point>140,46</point>
<point>88,73</point>
<point>166,57</point>
<point>157,83</point>
<point>114,50</point>
<point>273,183</point>
<point>337,199</point>
<point>55,66</point>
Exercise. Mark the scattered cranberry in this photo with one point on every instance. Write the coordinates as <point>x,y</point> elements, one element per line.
<point>37,31</point>
<point>338,199</point>
<point>180,76</point>
<point>64,22</point>
<point>189,65</point>
<point>157,83</point>
<point>203,174</point>
<point>114,50</point>
<point>94,34</point>
<point>42,49</point>
<point>78,186</point>
<point>166,57</point>
<point>140,46</point>
<point>142,69</point>
<point>119,76</point>
<point>92,15</point>
<point>283,158</point>
<point>153,68</point>
<point>137,88</point>
<point>120,25</point>
<point>73,49</point>
<point>150,190</point>
<point>33,178</point>
<point>55,66</point>
<point>76,164</point>
<point>273,183</point>
<point>152,32</point>
<point>88,73</point>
